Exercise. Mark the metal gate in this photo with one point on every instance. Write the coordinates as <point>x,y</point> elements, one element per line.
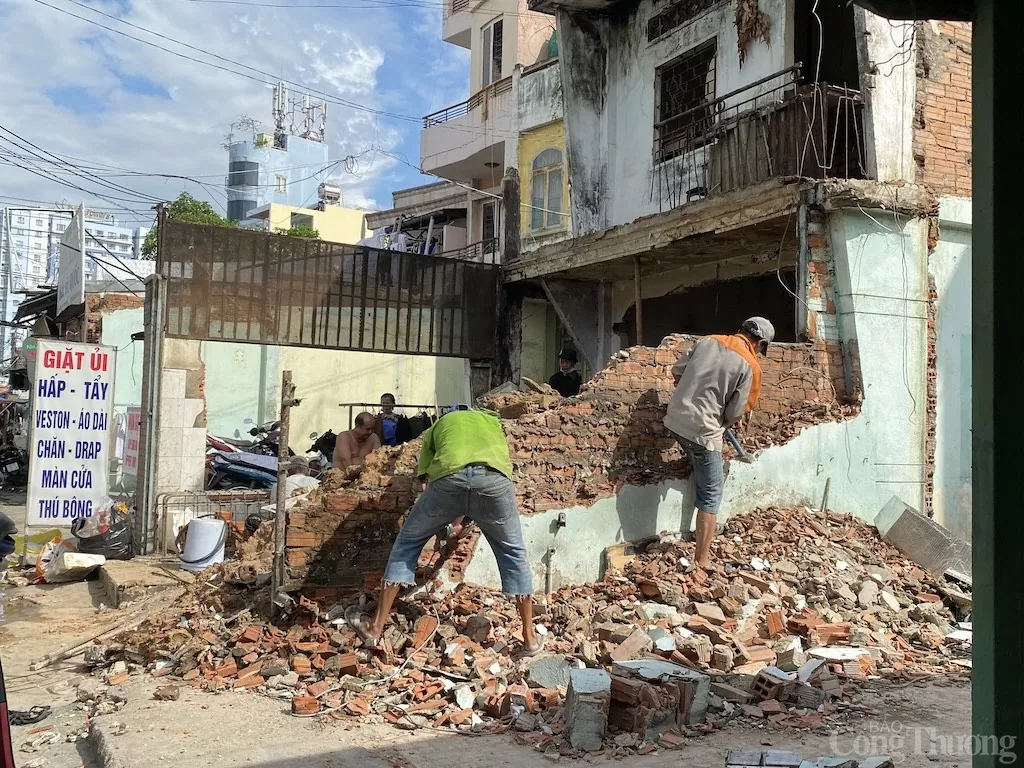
<point>251,286</point>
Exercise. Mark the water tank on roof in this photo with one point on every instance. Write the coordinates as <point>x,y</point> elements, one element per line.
<point>330,194</point>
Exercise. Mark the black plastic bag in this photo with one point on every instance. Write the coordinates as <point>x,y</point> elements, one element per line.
<point>115,544</point>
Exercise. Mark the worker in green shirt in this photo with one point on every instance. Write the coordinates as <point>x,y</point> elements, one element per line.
<point>466,470</point>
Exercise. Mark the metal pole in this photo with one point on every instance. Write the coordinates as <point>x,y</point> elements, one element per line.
<point>824,498</point>
<point>280,520</point>
<point>803,258</point>
<point>638,299</point>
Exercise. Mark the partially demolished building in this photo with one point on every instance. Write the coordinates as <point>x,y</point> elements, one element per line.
<point>794,160</point>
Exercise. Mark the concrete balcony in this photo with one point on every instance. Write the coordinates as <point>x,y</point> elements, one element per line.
<point>467,140</point>
<point>457,23</point>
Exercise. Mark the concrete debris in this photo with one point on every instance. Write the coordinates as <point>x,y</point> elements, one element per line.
<point>549,672</point>
<point>630,654</point>
<point>586,708</point>
<point>780,758</point>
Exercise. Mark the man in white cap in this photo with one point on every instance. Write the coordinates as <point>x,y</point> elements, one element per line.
<point>717,383</point>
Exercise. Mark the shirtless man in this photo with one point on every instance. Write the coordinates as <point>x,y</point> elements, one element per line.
<point>355,445</point>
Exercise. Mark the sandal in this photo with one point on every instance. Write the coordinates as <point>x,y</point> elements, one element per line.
<point>354,618</point>
<point>524,652</point>
<point>30,717</point>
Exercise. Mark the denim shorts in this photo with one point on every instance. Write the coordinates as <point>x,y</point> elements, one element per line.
<point>708,474</point>
<point>486,496</point>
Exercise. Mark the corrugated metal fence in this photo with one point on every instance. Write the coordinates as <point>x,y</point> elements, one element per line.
<point>249,286</point>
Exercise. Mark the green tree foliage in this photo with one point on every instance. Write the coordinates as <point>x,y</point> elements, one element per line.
<point>302,230</point>
<point>185,208</point>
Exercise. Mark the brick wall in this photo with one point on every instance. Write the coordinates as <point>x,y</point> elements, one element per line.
<point>342,537</point>
<point>100,304</point>
<point>942,112</point>
<point>565,453</point>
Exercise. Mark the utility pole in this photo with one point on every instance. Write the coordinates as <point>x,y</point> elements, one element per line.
<point>511,197</point>
<point>288,401</point>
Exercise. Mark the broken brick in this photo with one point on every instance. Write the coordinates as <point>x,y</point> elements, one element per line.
<point>305,705</point>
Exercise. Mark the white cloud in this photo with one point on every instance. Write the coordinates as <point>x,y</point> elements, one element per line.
<point>345,53</point>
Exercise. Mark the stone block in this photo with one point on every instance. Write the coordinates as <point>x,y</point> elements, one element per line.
<point>549,672</point>
<point>586,708</point>
<point>923,540</point>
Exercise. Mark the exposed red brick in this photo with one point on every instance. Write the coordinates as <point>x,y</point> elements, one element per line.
<point>943,107</point>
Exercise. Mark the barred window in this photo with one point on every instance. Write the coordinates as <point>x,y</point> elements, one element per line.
<point>684,88</point>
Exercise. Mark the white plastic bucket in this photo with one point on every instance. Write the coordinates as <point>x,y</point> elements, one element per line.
<point>204,544</point>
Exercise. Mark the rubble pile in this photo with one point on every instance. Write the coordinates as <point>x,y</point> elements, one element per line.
<point>796,606</point>
<point>770,429</point>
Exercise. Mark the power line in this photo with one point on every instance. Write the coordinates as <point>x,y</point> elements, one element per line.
<point>425,4</point>
<point>101,264</point>
<point>325,96</point>
<point>113,256</point>
<point>86,175</point>
<point>36,170</point>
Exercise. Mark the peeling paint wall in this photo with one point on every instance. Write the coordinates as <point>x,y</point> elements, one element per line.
<point>950,267</point>
<point>608,68</point>
<point>889,83</point>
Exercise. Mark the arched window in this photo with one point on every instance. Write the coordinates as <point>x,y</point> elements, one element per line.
<point>546,191</point>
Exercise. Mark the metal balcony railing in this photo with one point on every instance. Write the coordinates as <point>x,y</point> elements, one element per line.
<point>777,126</point>
<point>482,252</point>
<point>479,99</point>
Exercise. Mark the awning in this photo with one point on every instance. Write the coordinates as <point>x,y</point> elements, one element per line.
<point>34,306</point>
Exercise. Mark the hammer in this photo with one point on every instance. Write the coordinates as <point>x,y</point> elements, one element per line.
<point>741,455</point>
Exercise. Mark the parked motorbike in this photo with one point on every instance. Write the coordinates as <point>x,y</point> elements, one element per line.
<point>240,471</point>
<point>267,439</point>
<point>14,465</point>
<point>323,447</point>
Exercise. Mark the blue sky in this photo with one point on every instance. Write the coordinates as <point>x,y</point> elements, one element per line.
<point>83,91</point>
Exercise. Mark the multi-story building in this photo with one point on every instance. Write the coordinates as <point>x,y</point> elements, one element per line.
<point>472,142</point>
<point>286,166</point>
<point>30,245</point>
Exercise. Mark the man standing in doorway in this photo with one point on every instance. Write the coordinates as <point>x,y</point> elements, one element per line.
<point>466,469</point>
<point>717,382</point>
<point>387,421</point>
<point>567,380</point>
<point>356,444</point>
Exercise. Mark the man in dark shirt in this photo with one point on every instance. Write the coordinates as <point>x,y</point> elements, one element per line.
<point>567,381</point>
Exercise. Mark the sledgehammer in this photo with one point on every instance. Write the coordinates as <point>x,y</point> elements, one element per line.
<point>741,455</point>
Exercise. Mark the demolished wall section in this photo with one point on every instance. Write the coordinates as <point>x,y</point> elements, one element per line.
<point>566,453</point>
<point>99,304</point>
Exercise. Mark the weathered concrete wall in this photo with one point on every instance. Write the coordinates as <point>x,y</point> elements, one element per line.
<point>583,57</point>
<point>889,84</point>
<point>539,96</point>
<point>949,267</point>
<point>608,69</point>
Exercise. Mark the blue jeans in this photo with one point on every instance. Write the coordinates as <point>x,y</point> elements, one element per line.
<point>489,498</point>
<point>708,474</point>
